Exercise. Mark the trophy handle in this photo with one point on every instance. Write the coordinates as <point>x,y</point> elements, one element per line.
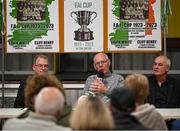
<point>73,16</point>
<point>94,16</point>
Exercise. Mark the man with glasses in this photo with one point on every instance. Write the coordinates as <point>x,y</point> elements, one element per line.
<point>40,66</point>
<point>103,85</point>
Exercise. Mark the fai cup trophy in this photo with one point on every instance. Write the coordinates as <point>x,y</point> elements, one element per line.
<point>83,18</point>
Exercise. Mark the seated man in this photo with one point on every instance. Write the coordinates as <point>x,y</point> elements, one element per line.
<point>102,83</point>
<point>164,90</point>
<point>48,104</point>
<point>40,66</point>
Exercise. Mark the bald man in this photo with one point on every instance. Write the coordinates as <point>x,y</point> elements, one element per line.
<point>49,104</point>
<point>49,101</point>
<point>102,84</point>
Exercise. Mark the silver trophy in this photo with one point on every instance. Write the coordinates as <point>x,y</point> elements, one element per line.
<point>83,18</point>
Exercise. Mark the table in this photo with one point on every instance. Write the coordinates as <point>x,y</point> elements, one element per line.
<point>169,113</point>
<point>6,113</point>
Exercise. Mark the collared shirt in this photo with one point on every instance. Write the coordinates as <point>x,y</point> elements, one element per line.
<point>161,95</point>
<point>166,96</point>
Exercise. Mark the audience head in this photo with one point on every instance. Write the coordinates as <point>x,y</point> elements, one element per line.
<point>36,82</point>
<point>91,114</point>
<point>139,84</point>
<point>82,99</point>
<point>49,101</point>
<point>161,65</point>
<point>122,99</point>
<point>101,63</point>
<point>40,64</point>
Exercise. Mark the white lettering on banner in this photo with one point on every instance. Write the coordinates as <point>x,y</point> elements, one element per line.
<point>83,4</point>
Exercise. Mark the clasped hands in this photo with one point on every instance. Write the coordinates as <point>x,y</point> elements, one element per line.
<point>98,86</point>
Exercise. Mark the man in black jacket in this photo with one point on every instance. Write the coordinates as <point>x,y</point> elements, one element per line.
<point>164,89</point>
<point>40,66</point>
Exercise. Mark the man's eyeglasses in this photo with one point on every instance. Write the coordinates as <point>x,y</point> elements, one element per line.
<point>101,62</point>
<point>41,66</point>
<point>159,64</point>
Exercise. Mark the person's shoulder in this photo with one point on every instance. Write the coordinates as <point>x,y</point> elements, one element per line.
<point>13,121</point>
<point>144,109</point>
<point>152,111</point>
<point>22,84</point>
<point>23,81</point>
<point>59,127</point>
<point>173,79</point>
<point>117,76</point>
<point>151,78</point>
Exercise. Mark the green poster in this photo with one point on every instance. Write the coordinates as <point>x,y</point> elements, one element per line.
<point>32,26</point>
<point>134,25</point>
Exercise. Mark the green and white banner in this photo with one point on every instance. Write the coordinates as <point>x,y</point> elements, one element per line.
<point>134,25</point>
<point>32,26</point>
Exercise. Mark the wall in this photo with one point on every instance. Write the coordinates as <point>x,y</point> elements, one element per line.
<point>174,20</point>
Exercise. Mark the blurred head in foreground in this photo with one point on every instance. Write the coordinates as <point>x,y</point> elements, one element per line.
<point>91,114</point>
<point>49,101</point>
<point>139,84</point>
<point>36,82</point>
<point>122,99</point>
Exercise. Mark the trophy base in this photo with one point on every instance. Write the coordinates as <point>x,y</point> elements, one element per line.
<point>83,36</point>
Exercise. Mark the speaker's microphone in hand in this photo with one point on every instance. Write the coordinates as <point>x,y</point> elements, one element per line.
<point>100,74</point>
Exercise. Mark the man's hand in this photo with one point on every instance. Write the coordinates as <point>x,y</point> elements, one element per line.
<point>98,86</point>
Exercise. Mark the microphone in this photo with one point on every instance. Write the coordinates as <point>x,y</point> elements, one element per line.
<point>100,74</point>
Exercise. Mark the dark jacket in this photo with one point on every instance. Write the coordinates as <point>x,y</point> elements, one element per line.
<point>125,121</point>
<point>19,101</point>
<point>173,91</point>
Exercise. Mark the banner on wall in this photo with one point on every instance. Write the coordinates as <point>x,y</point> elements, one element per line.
<point>83,25</point>
<point>32,26</point>
<point>134,25</point>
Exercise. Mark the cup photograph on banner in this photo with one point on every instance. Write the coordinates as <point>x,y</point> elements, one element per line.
<point>32,26</point>
<point>83,25</point>
<point>134,25</point>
